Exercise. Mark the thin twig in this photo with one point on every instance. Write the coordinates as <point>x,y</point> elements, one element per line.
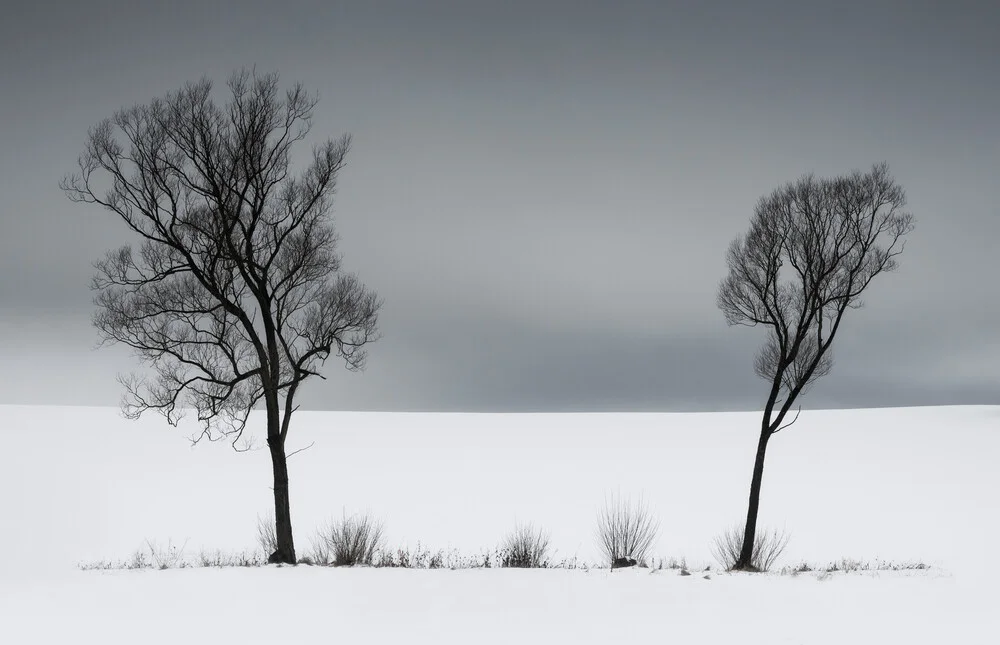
<point>289,455</point>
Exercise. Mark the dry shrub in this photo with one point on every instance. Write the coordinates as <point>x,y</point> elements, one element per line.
<point>352,540</point>
<point>626,531</point>
<point>768,544</point>
<point>525,548</point>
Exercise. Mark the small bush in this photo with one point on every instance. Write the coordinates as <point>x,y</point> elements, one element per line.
<point>525,548</point>
<point>625,531</point>
<point>353,540</point>
<point>767,546</point>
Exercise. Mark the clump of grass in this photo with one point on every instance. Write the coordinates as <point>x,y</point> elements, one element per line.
<point>767,546</point>
<point>849,565</point>
<point>137,561</point>
<point>669,563</point>
<point>150,556</point>
<point>351,541</point>
<point>525,548</point>
<point>436,560</point>
<point>422,557</point>
<point>572,563</point>
<point>241,559</point>
<point>626,531</point>
<point>153,556</point>
<point>169,557</point>
<point>319,549</point>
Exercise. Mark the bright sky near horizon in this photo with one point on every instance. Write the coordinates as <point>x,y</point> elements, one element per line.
<point>542,192</point>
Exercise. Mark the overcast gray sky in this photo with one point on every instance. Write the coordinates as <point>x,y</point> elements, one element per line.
<point>543,192</point>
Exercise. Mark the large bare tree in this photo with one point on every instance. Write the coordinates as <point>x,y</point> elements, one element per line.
<point>234,294</point>
<point>813,247</point>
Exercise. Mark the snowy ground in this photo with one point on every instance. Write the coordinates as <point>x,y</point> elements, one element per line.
<point>81,484</point>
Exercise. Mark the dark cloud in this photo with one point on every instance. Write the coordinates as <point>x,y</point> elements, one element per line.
<point>543,192</point>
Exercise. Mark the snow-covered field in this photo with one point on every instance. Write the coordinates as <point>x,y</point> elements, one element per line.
<point>82,484</point>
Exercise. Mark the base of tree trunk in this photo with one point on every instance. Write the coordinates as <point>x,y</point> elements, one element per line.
<point>621,563</point>
<point>745,567</point>
<point>278,557</point>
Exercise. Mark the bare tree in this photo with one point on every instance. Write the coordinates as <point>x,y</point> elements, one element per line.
<point>813,247</point>
<point>234,294</point>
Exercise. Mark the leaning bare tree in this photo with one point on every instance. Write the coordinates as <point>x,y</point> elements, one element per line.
<point>234,294</point>
<point>812,249</point>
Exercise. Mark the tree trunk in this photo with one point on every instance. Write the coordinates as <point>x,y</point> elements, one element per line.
<point>745,561</point>
<point>285,552</point>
